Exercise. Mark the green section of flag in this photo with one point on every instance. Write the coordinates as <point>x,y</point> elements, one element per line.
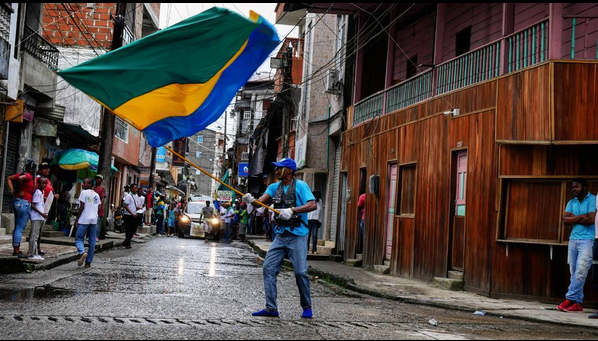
<point>190,52</point>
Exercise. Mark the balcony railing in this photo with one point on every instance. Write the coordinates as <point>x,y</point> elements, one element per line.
<point>528,47</point>
<point>5,13</point>
<point>413,90</point>
<point>476,66</point>
<point>40,48</point>
<point>514,52</point>
<point>369,108</point>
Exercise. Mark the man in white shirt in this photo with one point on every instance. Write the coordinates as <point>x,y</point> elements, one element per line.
<point>314,219</point>
<point>251,224</point>
<point>87,220</point>
<point>130,215</point>
<point>226,212</point>
<point>140,204</point>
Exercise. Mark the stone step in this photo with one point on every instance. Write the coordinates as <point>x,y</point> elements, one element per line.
<point>336,258</point>
<point>322,251</point>
<point>2,231</point>
<point>355,263</point>
<point>359,256</point>
<point>387,262</point>
<point>330,244</point>
<point>147,229</point>
<point>52,234</point>
<point>458,275</point>
<point>48,228</point>
<point>448,284</point>
<point>383,269</point>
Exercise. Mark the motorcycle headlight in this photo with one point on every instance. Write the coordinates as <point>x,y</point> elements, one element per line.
<point>215,221</point>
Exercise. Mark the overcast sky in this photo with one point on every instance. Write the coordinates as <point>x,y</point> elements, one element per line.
<point>172,13</point>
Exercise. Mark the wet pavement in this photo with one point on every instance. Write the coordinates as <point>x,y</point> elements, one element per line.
<point>169,288</point>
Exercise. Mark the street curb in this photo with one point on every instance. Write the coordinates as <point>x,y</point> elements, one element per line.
<point>349,284</point>
<point>14,265</point>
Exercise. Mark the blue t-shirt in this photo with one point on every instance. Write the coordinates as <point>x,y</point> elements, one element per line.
<point>303,196</point>
<point>587,205</point>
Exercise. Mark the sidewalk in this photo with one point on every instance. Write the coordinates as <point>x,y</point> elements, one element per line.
<point>422,293</point>
<point>59,251</point>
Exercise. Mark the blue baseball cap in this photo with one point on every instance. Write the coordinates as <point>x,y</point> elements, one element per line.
<point>286,163</point>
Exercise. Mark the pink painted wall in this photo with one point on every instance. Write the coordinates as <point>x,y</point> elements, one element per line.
<point>586,31</point>
<point>485,20</point>
<point>417,39</point>
<point>527,14</point>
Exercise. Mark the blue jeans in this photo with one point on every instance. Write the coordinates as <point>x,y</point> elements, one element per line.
<point>595,266</point>
<point>226,230</point>
<point>160,223</point>
<point>91,231</point>
<point>295,248</point>
<point>580,261</point>
<point>313,230</point>
<point>22,209</point>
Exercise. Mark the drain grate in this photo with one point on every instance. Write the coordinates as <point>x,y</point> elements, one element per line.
<point>207,323</point>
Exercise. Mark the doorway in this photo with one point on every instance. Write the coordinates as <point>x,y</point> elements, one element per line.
<point>390,207</point>
<point>458,211</point>
<point>361,212</point>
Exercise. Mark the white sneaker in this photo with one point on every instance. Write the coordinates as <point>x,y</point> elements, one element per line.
<point>36,258</point>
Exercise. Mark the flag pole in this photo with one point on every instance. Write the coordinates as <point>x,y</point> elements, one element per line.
<point>191,163</point>
<point>218,180</point>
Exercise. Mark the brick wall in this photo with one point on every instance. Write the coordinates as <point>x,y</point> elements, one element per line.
<point>95,27</point>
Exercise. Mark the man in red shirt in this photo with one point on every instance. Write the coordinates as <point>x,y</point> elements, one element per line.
<point>23,195</point>
<point>361,209</point>
<point>102,193</point>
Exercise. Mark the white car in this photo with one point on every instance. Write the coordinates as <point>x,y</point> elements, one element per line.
<point>190,224</point>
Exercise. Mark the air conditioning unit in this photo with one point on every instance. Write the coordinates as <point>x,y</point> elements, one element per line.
<point>333,85</point>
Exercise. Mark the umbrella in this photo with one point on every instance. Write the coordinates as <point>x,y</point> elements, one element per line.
<point>80,160</point>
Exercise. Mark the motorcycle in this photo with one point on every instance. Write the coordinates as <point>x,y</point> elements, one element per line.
<point>118,220</point>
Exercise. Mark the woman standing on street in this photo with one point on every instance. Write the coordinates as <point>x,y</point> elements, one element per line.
<point>23,195</point>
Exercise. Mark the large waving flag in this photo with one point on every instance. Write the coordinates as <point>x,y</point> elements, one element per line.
<point>176,82</point>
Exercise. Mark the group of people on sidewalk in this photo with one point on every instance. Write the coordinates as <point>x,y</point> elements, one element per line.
<point>31,190</point>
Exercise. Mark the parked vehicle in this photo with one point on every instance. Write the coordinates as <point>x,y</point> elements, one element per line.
<point>118,220</point>
<point>190,223</point>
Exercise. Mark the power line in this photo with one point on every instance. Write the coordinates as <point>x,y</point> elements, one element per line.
<point>89,31</point>
<point>79,28</point>
<point>33,34</point>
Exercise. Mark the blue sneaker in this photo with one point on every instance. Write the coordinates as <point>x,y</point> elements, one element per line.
<point>265,313</point>
<point>307,314</point>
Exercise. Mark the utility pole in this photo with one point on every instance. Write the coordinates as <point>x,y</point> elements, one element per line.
<point>224,165</point>
<point>287,101</point>
<point>108,121</point>
<point>152,168</point>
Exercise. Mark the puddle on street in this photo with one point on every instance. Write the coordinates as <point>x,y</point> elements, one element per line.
<point>44,292</point>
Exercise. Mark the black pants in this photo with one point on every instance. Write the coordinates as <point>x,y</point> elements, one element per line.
<point>131,228</point>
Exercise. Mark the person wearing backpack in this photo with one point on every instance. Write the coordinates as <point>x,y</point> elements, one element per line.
<point>23,196</point>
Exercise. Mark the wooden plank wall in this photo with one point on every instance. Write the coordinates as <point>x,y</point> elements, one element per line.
<point>528,270</point>
<point>512,107</point>
<point>422,134</point>
<point>576,101</point>
<point>523,113</point>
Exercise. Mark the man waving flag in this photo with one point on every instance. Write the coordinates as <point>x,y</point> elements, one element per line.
<point>178,81</point>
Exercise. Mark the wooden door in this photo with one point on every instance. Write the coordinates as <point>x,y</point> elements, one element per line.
<point>458,225</point>
<point>390,207</point>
